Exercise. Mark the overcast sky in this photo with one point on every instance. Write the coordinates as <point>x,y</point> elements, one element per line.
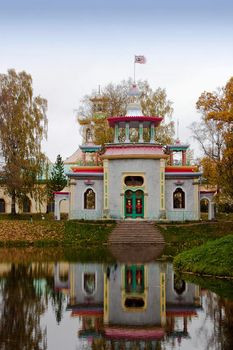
<point>72,46</point>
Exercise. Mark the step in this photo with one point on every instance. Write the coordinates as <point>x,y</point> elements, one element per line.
<point>136,232</point>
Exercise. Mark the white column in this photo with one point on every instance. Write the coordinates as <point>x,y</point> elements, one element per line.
<point>211,214</point>
<point>141,133</point>
<point>57,209</point>
<point>152,133</point>
<point>116,135</point>
<point>127,139</point>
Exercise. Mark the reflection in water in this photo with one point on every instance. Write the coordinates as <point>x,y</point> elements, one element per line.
<point>102,306</point>
<point>22,305</point>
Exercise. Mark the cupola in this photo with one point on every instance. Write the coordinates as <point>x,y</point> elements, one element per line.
<point>134,119</point>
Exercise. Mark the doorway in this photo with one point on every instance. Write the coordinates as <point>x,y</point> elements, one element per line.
<point>134,204</point>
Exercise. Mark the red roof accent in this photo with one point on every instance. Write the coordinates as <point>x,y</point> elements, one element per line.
<point>61,288</point>
<point>87,169</point>
<point>133,333</point>
<point>179,313</point>
<point>181,169</point>
<point>86,313</point>
<point>117,119</point>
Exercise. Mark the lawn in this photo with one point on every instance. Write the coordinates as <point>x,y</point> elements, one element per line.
<point>43,233</point>
<point>180,237</point>
<point>212,258</point>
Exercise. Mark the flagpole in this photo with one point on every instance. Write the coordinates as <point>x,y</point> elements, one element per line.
<point>178,129</point>
<point>138,59</point>
<point>134,71</point>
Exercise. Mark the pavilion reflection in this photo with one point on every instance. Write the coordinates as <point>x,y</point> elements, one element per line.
<point>128,305</point>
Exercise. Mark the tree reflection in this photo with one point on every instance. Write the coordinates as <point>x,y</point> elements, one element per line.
<point>22,306</point>
<point>220,311</point>
<point>227,324</point>
<point>57,298</point>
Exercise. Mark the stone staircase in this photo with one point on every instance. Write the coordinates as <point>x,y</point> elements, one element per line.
<point>135,232</point>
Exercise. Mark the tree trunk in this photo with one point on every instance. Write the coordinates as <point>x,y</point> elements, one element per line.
<point>13,202</point>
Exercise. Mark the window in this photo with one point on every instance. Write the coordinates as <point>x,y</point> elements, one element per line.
<point>179,285</point>
<point>50,207</point>
<point>89,283</point>
<point>88,135</point>
<point>63,270</point>
<point>134,302</point>
<point>63,276</point>
<point>89,199</point>
<point>179,199</point>
<point>26,205</point>
<point>134,180</point>
<point>2,206</point>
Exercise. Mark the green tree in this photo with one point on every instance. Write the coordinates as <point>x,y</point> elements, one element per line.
<point>57,180</point>
<point>115,97</point>
<point>23,125</point>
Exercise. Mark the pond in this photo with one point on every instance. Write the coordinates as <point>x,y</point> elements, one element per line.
<point>48,301</point>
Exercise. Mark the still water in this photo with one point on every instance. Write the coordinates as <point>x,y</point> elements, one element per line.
<point>56,304</point>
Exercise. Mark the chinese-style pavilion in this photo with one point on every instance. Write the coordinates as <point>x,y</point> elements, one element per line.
<point>138,178</point>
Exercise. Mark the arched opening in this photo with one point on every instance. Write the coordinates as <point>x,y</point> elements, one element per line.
<point>88,136</point>
<point>2,206</point>
<point>134,180</point>
<point>64,272</point>
<point>134,303</point>
<point>26,205</point>
<point>89,283</point>
<point>204,208</point>
<point>58,198</point>
<point>89,199</point>
<point>179,285</point>
<point>207,208</point>
<point>179,199</point>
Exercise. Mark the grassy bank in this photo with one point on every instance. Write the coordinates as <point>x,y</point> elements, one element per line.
<point>212,258</point>
<point>181,237</point>
<point>43,233</point>
<point>223,287</point>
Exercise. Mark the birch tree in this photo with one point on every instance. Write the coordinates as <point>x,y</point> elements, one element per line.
<point>23,125</point>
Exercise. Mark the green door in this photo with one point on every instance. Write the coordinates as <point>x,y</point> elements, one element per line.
<point>134,278</point>
<point>134,204</point>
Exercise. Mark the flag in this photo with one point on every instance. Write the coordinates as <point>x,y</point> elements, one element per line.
<point>140,59</point>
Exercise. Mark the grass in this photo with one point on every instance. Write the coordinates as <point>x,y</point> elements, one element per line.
<point>24,233</point>
<point>203,248</point>
<point>84,233</point>
<point>212,258</point>
<point>181,237</point>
